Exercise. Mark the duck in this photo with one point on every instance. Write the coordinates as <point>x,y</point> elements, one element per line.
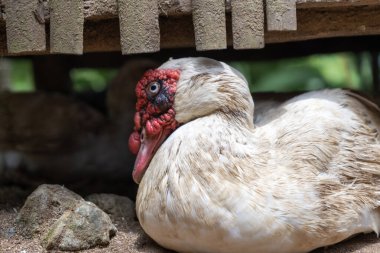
<point>211,179</point>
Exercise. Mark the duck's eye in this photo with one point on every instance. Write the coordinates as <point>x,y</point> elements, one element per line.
<point>153,88</point>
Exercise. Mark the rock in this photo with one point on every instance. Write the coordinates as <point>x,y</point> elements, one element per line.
<point>114,204</point>
<point>43,207</point>
<point>62,220</point>
<point>130,234</point>
<point>85,227</point>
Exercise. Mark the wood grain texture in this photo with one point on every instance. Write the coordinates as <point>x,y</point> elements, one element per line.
<point>101,9</point>
<point>25,29</point>
<point>351,21</point>
<point>66,26</point>
<point>108,9</point>
<point>334,3</point>
<point>104,9</point>
<point>209,24</point>
<point>247,24</point>
<point>178,32</point>
<point>139,27</point>
<point>281,15</point>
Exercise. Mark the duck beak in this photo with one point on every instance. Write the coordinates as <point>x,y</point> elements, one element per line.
<point>149,146</point>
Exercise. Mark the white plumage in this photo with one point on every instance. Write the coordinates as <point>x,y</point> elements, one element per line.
<point>306,175</point>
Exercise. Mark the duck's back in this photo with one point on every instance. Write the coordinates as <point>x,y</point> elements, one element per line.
<point>330,139</point>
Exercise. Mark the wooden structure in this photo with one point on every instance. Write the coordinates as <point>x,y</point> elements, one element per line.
<point>77,26</point>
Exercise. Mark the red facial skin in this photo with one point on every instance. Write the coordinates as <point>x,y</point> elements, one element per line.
<point>154,119</point>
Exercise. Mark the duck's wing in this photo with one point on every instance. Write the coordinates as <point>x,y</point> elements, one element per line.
<point>372,114</point>
<point>367,101</point>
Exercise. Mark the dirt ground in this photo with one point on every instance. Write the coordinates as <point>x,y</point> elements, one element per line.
<point>128,238</point>
<point>12,243</point>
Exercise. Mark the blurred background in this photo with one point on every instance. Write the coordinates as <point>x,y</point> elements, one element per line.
<point>74,128</point>
<point>343,70</point>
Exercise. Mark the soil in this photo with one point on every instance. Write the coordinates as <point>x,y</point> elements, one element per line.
<point>128,238</point>
<point>10,242</point>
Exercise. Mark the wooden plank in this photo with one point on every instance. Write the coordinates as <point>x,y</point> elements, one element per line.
<point>139,27</point>
<point>104,9</point>
<point>247,24</point>
<point>178,32</point>
<point>334,3</point>
<point>25,29</point>
<point>209,20</point>
<point>108,9</point>
<point>351,21</point>
<point>281,15</point>
<point>101,9</point>
<point>66,26</point>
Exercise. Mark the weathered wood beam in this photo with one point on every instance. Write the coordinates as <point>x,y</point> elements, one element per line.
<point>209,18</point>
<point>25,27</point>
<point>66,26</point>
<point>281,15</point>
<point>100,9</point>
<point>334,3</point>
<point>178,32</point>
<point>351,21</point>
<point>247,24</point>
<point>139,27</point>
<point>108,9</point>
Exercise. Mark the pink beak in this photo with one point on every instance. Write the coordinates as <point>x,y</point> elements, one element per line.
<point>149,146</point>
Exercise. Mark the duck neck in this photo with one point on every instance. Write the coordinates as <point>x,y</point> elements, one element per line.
<point>237,103</point>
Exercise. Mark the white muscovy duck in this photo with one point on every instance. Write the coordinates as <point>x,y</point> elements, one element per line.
<point>305,176</point>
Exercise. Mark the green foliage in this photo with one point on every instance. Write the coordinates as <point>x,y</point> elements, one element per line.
<point>91,79</point>
<point>299,74</point>
<point>22,75</point>
<point>342,70</point>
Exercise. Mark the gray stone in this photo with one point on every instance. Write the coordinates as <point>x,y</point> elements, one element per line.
<point>62,220</point>
<point>85,227</point>
<point>43,207</point>
<point>115,205</point>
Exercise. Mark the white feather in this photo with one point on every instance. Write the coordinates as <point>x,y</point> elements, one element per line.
<point>306,176</point>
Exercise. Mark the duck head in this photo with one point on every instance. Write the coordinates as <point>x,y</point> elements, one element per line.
<point>179,91</point>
